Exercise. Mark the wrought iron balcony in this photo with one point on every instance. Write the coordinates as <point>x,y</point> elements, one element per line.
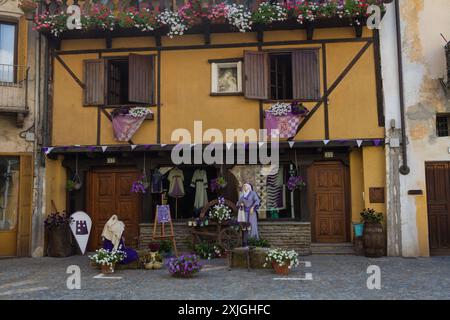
<point>14,91</point>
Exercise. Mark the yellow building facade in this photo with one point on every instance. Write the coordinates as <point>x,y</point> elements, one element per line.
<point>338,148</point>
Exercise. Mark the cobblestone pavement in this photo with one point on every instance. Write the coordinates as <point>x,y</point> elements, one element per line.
<point>333,277</point>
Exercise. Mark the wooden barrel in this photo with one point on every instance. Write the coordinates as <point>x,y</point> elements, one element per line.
<point>373,240</point>
<point>59,242</point>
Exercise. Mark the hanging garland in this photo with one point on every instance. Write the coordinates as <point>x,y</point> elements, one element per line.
<point>101,17</point>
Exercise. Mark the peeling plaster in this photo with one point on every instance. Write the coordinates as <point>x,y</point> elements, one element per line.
<point>410,11</point>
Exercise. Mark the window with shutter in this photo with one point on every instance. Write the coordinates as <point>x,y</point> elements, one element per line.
<point>256,73</point>
<point>94,80</point>
<point>141,79</point>
<point>306,74</point>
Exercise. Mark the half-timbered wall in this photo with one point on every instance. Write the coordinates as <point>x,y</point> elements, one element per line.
<point>186,87</point>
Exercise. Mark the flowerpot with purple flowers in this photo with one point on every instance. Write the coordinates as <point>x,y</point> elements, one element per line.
<point>184,266</point>
<point>295,183</point>
<point>140,186</point>
<point>59,236</point>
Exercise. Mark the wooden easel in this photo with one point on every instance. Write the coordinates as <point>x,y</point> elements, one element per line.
<point>163,235</point>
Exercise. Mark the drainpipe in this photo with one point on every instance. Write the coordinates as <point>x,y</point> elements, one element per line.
<point>404,169</point>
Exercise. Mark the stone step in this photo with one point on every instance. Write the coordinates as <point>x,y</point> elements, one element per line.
<point>332,248</point>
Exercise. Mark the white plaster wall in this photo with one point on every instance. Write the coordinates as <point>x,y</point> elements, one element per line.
<point>424,63</point>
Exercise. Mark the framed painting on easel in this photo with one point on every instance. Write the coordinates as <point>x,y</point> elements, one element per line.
<point>162,217</point>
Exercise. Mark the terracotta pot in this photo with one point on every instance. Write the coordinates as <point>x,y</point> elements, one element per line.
<point>281,270</point>
<point>107,269</point>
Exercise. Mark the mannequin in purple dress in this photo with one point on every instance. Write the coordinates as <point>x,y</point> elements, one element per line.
<point>249,200</point>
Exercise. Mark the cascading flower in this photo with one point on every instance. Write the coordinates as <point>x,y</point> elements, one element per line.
<point>268,13</point>
<point>239,17</point>
<point>101,17</point>
<point>173,20</point>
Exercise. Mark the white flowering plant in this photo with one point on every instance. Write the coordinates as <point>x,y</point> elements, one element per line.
<point>239,17</point>
<point>177,26</point>
<point>283,257</point>
<point>139,112</point>
<point>107,257</point>
<point>280,109</point>
<point>221,212</point>
<point>268,13</point>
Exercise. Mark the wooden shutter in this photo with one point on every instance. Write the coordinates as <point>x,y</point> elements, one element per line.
<point>256,74</point>
<point>94,80</point>
<point>306,74</point>
<point>25,205</point>
<point>140,81</point>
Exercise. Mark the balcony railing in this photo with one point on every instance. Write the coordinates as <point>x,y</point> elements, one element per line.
<point>14,90</point>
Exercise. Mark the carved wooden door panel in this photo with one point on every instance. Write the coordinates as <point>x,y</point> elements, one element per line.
<point>329,219</point>
<point>110,193</point>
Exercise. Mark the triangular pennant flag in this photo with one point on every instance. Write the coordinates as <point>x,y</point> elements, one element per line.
<point>163,145</point>
<point>48,150</point>
<point>229,145</point>
<point>377,142</point>
<point>133,146</point>
<point>104,148</point>
<point>291,144</point>
<point>359,143</point>
<point>325,142</point>
<point>261,144</point>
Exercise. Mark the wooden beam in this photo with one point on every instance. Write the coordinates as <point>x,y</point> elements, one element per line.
<point>325,90</point>
<point>108,40</point>
<point>379,78</point>
<point>214,46</point>
<point>207,33</point>
<point>73,75</point>
<point>158,102</point>
<point>334,85</point>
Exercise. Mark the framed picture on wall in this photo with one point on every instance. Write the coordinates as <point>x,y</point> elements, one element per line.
<point>226,78</point>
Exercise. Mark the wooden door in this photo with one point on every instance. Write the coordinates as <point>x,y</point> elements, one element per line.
<point>327,196</point>
<point>110,193</point>
<point>438,201</point>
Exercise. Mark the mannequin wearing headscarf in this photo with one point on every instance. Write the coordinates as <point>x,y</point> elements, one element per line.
<point>113,240</point>
<point>249,200</point>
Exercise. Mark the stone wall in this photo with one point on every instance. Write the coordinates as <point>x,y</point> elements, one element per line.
<point>287,235</point>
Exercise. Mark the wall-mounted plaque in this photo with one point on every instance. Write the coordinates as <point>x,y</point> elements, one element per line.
<point>376,195</point>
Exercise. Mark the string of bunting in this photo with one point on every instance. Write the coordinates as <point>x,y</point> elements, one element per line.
<point>358,143</point>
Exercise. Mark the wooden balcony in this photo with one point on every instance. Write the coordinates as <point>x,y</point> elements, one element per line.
<point>14,91</point>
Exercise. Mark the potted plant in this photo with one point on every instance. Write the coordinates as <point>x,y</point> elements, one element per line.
<point>29,8</point>
<point>296,182</point>
<point>107,259</point>
<point>70,185</point>
<point>152,260</point>
<point>57,227</point>
<point>373,234</point>
<point>282,260</point>
<point>185,266</point>
<point>165,248</point>
<point>221,212</point>
<point>258,243</point>
<point>140,186</point>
